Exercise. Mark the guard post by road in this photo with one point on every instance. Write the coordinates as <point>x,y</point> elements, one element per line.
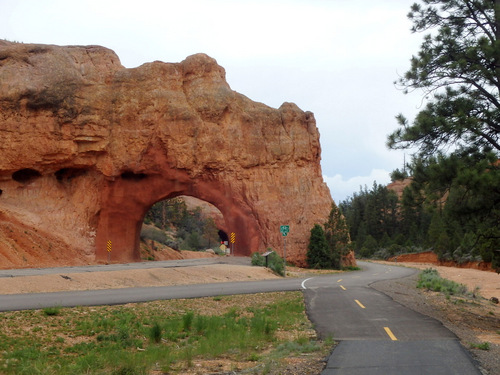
<point>233,240</point>
<point>108,248</point>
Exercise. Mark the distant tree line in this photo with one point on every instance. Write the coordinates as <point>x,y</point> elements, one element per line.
<point>450,207</point>
<point>179,227</point>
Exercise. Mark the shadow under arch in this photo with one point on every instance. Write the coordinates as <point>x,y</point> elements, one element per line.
<point>126,199</point>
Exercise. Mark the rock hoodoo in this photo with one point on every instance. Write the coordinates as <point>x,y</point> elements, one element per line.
<point>88,146</point>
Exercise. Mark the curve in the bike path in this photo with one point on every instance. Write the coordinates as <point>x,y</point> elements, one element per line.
<point>377,335</point>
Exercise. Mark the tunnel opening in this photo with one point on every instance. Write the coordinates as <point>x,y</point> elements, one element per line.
<point>223,237</point>
<point>182,223</point>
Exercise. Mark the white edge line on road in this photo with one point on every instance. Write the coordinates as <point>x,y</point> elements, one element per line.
<point>304,282</point>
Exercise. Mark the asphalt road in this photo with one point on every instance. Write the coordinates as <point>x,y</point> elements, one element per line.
<point>124,266</point>
<point>376,334</point>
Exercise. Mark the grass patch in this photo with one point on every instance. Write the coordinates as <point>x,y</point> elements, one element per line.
<point>481,346</point>
<point>166,336</point>
<point>52,311</point>
<point>351,268</point>
<point>429,279</point>
<point>155,333</point>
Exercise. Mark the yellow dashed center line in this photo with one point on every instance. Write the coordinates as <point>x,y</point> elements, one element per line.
<point>342,287</point>
<point>391,335</point>
<point>339,280</point>
<point>360,304</point>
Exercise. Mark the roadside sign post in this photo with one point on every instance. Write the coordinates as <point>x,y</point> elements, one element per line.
<point>284,229</point>
<point>233,240</point>
<point>108,247</point>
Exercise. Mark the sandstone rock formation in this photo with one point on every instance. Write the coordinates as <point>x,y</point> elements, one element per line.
<point>87,146</point>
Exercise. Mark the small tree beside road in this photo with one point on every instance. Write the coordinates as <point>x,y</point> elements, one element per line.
<point>329,243</point>
<point>318,255</point>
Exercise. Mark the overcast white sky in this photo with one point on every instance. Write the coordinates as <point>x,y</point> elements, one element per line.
<point>336,58</point>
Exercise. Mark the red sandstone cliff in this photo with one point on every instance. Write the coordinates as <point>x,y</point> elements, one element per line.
<point>87,146</point>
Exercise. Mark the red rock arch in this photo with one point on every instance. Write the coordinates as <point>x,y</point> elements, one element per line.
<point>126,200</point>
<point>102,143</point>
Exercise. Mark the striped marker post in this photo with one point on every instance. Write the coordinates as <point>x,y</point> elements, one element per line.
<point>108,247</point>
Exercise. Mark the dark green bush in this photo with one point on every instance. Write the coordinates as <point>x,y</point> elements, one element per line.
<point>52,311</point>
<point>258,260</point>
<point>155,234</point>
<point>155,333</point>
<point>274,262</point>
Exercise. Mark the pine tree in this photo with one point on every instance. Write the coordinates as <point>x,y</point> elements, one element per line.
<point>337,237</point>
<point>318,255</point>
<point>459,65</point>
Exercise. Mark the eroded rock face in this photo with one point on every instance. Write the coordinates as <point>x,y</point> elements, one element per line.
<point>87,146</point>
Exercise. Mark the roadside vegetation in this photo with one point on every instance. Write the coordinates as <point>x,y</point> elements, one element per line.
<point>251,331</point>
<point>463,299</point>
<point>382,225</point>
<point>429,279</point>
<point>274,262</point>
<point>329,243</point>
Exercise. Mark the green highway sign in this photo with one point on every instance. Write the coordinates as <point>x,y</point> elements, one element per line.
<point>284,229</point>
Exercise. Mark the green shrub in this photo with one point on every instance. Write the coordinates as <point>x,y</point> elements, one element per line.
<point>274,262</point>
<point>351,268</point>
<point>430,280</point>
<point>155,333</point>
<point>155,234</point>
<point>187,321</point>
<point>52,311</point>
<point>258,260</point>
<point>482,346</point>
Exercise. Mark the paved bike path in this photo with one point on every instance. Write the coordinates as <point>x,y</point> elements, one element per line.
<point>377,335</point>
